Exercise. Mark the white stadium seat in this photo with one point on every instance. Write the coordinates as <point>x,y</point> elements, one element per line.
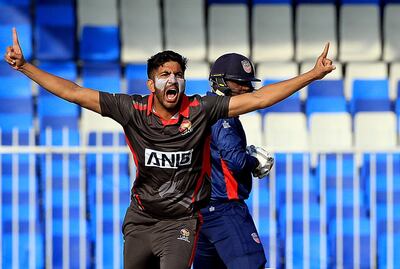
<point>227,30</point>
<point>391,32</point>
<point>97,13</point>
<point>315,26</point>
<point>375,131</point>
<point>141,35</point>
<point>285,132</point>
<point>188,38</point>
<point>359,33</point>
<point>272,33</point>
<point>252,125</point>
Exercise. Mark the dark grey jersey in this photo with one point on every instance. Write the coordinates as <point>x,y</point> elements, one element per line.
<point>172,157</point>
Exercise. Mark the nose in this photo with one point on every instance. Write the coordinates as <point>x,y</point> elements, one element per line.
<point>172,79</point>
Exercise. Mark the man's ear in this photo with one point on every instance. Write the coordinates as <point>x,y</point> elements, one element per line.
<point>150,85</point>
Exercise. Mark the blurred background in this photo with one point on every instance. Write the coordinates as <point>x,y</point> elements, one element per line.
<point>333,197</point>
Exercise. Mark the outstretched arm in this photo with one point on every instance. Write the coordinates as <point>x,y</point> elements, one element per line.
<point>274,93</point>
<point>63,88</point>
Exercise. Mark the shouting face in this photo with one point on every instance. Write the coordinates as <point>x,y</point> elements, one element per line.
<point>168,84</point>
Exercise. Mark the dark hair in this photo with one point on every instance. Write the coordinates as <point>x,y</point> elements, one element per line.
<point>161,58</point>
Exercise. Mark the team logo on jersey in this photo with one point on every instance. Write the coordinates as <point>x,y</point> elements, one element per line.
<point>226,124</point>
<point>246,66</point>
<point>184,235</point>
<point>168,159</point>
<point>256,238</point>
<point>186,127</point>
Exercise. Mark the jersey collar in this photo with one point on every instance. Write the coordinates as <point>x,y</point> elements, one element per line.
<point>183,109</point>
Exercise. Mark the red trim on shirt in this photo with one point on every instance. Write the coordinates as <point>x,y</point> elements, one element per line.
<point>137,172</point>
<point>206,167</point>
<point>196,238</point>
<point>183,109</point>
<point>140,106</point>
<point>230,182</point>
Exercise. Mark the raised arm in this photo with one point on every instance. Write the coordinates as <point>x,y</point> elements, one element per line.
<point>274,93</point>
<point>63,88</point>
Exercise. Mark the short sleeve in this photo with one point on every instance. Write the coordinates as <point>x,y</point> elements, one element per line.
<point>116,106</point>
<point>216,107</point>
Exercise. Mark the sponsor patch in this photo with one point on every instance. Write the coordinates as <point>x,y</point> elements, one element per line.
<point>256,238</point>
<point>184,235</point>
<point>225,124</point>
<point>246,66</point>
<point>163,159</point>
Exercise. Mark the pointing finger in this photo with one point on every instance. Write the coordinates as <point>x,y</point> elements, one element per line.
<point>16,46</point>
<point>325,52</point>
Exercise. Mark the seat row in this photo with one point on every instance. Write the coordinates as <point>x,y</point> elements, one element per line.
<point>131,31</point>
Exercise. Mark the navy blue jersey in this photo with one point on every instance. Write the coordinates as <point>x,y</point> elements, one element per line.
<point>231,166</point>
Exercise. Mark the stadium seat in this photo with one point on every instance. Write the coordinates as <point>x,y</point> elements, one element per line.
<point>136,79</point>
<point>391,32</point>
<point>21,227</point>
<point>99,43</point>
<point>325,96</point>
<point>63,182</point>
<point>223,19</point>
<point>272,72</point>
<point>315,26</point>
<point>272,34</point>
<point>53,111</point>
<point>252,125</point>
<point>197,78</point>
<point>189,38</point>
<point>97,13</point>
<point>370,95</point>
<point>285,131</point>
<point>359,25</point>
<point>349,243</point>
<point>102,76</point>
<point>304,235</point>
<point>394,79</point>
<point>368,137</point>
<point>17,16</point>
<point>387,251</point>
<point>363,71</point>
<point>138,18</point>
<point>330,131</point>
<point>108,196</point>
<point>55,36</point>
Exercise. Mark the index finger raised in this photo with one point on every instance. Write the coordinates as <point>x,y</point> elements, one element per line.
<point>15,38</point>
<point>325,52</point>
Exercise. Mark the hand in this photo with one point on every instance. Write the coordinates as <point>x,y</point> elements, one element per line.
<point>265,160</point>
<point>323,66</point>
<point>14,56</point>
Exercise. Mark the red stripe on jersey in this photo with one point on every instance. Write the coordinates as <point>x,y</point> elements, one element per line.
<point>137,171</point>
<point>194,102</point>
<point>196,238</point>
<point>230,182</point>
<point>206,168</point>
<point>139,106</point>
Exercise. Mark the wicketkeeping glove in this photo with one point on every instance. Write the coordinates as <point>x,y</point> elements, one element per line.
<point>265,159</point>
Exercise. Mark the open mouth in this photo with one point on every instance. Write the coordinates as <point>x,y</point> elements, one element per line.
<point>171,94</point>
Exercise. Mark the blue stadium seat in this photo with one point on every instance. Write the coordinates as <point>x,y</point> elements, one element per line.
<point>370,95</point>
<point>386,261</point>
<point>17,16</point>
<point>136,77</point>
<point>326,88</point>
<point>99,43</point>
<point>25,3</point>
<point>53,111</point>
<point>109,196</point>
<point>347,241</point>
<point>20,214</point>
<point>197,86</point>
<point>54,35</point>
<point>337,172</point>
<point>254,2</point>
<point>102,76</point>
<point>61,183</point>
<point>383,163</point>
